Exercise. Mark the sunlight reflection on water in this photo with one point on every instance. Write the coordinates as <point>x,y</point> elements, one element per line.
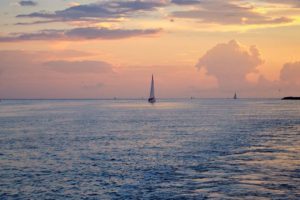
<point>146,105</point>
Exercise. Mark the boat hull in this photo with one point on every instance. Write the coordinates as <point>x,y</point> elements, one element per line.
<point>151,100</point>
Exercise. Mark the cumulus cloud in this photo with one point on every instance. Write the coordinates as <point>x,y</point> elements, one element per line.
<point>230,63</point>
<point>27,3</point>
<point>289,82</point>
<point>228,12</point>
<point>79,34</point>
<point>290,73</point>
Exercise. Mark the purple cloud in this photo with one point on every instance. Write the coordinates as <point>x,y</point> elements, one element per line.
<point>27,3</point>
<point>107,9</point>
<point>207,11</point>
<point>80,34</point>
<point>226,12</point>
<point>185,2</point>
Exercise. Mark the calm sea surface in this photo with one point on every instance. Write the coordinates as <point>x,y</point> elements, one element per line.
<point>175,149</point>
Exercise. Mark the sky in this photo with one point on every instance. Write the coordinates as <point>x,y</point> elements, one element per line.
<point>106,49</point>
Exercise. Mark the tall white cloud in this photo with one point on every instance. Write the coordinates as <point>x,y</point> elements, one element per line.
<point>230,63</point>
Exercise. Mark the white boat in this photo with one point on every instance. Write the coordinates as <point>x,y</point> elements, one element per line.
<point>152,96</point>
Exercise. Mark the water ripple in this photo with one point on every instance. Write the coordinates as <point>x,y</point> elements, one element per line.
<point>176,149</point>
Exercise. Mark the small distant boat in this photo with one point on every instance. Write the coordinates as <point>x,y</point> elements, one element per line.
<point>152,96</point>
<point>290,98</point>
<point>235,96</point>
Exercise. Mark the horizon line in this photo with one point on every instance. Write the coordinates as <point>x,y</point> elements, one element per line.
<point>116,98</point>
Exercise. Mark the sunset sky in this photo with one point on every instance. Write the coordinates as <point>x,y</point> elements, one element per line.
<point>105,49</point>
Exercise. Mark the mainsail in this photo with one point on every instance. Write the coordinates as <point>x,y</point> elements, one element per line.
<point>152,96</point>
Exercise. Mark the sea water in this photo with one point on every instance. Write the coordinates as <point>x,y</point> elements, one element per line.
<point>129,149</point>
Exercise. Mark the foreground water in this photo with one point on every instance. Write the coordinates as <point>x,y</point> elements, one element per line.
<point>175,149</point>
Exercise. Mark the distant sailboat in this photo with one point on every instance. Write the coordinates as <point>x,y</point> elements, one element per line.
<point>235,96</point>
<point>152,96</point>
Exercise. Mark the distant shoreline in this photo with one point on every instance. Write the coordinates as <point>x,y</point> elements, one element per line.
<point>290,98</point>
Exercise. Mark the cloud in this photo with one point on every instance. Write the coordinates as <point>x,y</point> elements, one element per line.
<point>230,63</point>
<point>94,33</point>
<point>228,13</point>
<point>224,12</point>
<point>86,21</point>
<point>185,2</point>
<point>287,85</point>
<point>27,3</point>
<point>79,34</point>
<point>37,22</point>
<point>290,73</point>
<point>106,9</point>
<point>73,74</point>
<point>81,67</point>
<point>41,35</point>
<point>294,3</point>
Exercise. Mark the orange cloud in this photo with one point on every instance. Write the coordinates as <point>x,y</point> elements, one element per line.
<point>230,63</point>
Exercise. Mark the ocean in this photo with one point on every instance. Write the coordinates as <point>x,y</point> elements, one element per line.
<point>130,149</point>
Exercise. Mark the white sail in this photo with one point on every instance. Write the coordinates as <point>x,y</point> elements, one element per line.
<point>152,88</point>
<point>152,96</point>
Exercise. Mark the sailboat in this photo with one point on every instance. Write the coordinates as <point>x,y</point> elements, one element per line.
<point>152,96</point>
<point>235,96</point>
